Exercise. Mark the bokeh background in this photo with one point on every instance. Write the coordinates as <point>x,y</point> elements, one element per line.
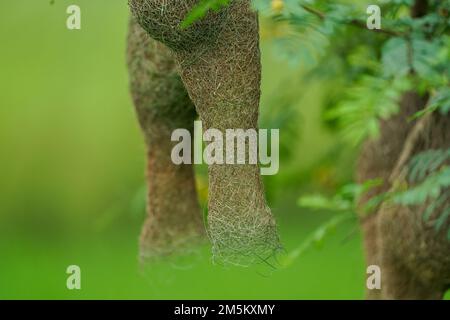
<point>72,171</point>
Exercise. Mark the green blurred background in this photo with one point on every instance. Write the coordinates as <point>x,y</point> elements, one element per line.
<point>72,171</point>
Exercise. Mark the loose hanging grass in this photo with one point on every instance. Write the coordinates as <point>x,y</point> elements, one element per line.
<point>219,62</point>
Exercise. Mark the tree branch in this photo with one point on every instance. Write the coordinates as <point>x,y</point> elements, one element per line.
<point>353,22</point>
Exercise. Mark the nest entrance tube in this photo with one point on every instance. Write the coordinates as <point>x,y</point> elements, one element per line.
<point>220,65</point>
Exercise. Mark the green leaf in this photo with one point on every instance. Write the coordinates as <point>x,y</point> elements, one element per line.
<point>440,101</point>
<point>345,199</point>
<point>400,55</point>
<point>201,9</point>
<point>431,187</point>
<point>425,162</point>
<point>395,57</point>
<point>316,238</point>
<point>318,202</point>
<point>442,219</point>
<point>434,206</point>
<point>369,100</point>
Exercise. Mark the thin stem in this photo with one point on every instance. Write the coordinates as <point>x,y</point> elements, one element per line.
<point>353,22</point>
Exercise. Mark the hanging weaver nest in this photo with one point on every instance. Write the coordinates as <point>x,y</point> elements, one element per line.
<point>162,19</point>
<point>218,59</point>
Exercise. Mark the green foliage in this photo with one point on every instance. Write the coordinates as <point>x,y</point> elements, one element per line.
<point>431,187</point>
<point>201,9</point>
<point>398,60</point>
<point>345,202</point>
<point>346,199</point>
<point>307,36</point>
<point>408,51</point>
<point>316,238</point>
<point>426,162</point>
<point>429,175</point>
<point>375,68</point>
<point>281,112</point>
<point>304,42</point>
<point>440,101</point>
<point>364,104</point>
